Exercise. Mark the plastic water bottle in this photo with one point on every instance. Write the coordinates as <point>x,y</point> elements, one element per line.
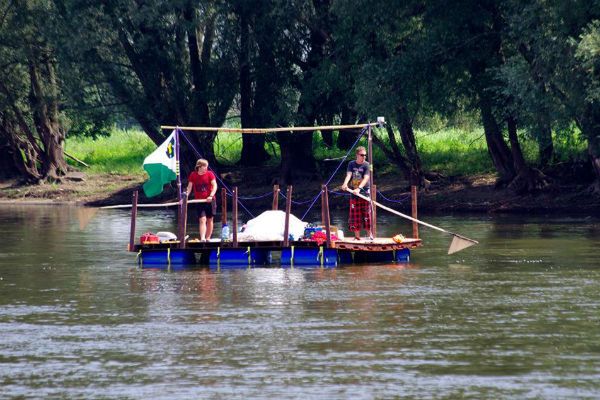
<point>224,233</point>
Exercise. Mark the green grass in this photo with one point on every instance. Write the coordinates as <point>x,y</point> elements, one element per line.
<point>122,152</point>
<point>450,151</point>
<point>454,151</point>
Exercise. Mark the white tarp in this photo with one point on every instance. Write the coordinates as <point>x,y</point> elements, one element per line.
<point>270,225</point>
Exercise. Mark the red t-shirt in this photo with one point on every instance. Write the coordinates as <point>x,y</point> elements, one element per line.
<point>201,184</point>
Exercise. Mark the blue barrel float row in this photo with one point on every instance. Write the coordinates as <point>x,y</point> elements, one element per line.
<point>257,257</point>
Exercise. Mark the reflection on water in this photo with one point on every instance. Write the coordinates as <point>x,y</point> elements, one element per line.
<point>513,317</point>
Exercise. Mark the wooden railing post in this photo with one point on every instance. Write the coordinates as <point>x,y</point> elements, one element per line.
<point>323,205</point>
<point>183,222</point>
<point>134,203</point>
<point>374,211</point>
<point>275,197</point>
<point>223,206</point>
<point>371,179</point>
<point>325,196</point>
<point>234,224</point>
<point>288,210</point>
<point>415,225</point>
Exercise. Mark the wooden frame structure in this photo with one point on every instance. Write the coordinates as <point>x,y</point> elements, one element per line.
<point>345,246</point>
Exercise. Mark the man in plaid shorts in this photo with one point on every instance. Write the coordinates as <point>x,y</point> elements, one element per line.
<point>357,174</point>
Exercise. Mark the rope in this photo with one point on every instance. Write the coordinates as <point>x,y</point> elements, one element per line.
<point>262,196</point>
<point>407,196</point>
<point>362,132</point>
<point>216,175</point>
<point>311,205</point>
<point>297,202</point>
<point>338,193</point>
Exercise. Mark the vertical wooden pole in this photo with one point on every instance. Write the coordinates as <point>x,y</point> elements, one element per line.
<point>223,206</point>
<point>234,210</point>
<point>413,196</point>
<point>323,205</point>
<point>134,203</point>
<point>374,211</point>
<point>275,197</point>
<point>371,180</point>
<point>325,196</point>
<point>288,210</point>
<point>183,227</point>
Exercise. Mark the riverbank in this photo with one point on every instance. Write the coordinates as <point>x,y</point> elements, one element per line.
<point>475,193</point>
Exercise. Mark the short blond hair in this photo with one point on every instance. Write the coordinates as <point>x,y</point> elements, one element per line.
<point>359,149</point>
<point>201,163</point>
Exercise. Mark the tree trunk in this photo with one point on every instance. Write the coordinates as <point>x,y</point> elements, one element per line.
<point>8,167</point>
<point>407,135</point>
<point>527,179</point>
<point>590,126</point>
<point>497,148</point>
<point>347,137</point>
<point>21,156</point>
<point>594,153</point>
<point>393,153</point>
<point>44,104</point>
<point>253,146</point>
<point>545,144</point>
<point>297,158</point>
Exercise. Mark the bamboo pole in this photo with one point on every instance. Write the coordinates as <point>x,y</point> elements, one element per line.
<point>371,180</point>
<point>183,222</point>
<point>374,211</point>
<point>223,206</point>
<point>325,196</point>
<point>75,159</point>
<point>288,210</point>
<point>154,205</point>
<point>134,202</point>
<point>415,225</point>
<point>234,210</point>
<point>268,130</point>
<point>322,205</point>
<point>275,197</point>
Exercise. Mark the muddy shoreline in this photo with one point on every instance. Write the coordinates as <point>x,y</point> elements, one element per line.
<point>473,194</point>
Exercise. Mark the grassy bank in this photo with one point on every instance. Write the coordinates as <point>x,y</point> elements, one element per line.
<point>122,152</point>
<point>449,151</point>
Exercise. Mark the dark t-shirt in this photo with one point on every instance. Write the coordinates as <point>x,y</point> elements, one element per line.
<point>201,184</point>
<point>359,171</point>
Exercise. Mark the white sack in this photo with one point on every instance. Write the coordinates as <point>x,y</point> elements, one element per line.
<point>270,225</point>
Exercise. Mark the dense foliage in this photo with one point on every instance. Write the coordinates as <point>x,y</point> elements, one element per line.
<point>520,69</point>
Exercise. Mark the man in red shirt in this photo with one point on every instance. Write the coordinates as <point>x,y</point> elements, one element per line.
<point>205,186</point>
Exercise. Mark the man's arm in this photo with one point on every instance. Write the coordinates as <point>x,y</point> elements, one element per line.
<point>346,180</point>
<point>362,184</point>
<point>189,189</point>
<point>213,190</point>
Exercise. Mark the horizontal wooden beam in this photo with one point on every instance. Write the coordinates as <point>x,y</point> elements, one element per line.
<point>269,130</point>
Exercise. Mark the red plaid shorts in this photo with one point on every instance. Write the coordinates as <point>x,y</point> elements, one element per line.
<point>359,218</point>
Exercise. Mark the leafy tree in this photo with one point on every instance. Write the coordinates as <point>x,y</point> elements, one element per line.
<point>557,42</point>
<point>389,71</point>
<point>165,61</point>
<point>30,93</point>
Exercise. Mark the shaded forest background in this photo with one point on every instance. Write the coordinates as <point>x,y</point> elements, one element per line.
<point>519,69</point>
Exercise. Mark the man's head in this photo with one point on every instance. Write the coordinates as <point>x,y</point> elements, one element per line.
<point>201,165</point>
<point>361,154</point>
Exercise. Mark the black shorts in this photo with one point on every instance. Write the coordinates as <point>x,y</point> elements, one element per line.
<point>206,209</point>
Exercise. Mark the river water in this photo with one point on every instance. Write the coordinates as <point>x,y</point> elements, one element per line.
<point>516,317</point>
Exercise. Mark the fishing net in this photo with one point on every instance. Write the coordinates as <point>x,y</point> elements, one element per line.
<point>460,243</point>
